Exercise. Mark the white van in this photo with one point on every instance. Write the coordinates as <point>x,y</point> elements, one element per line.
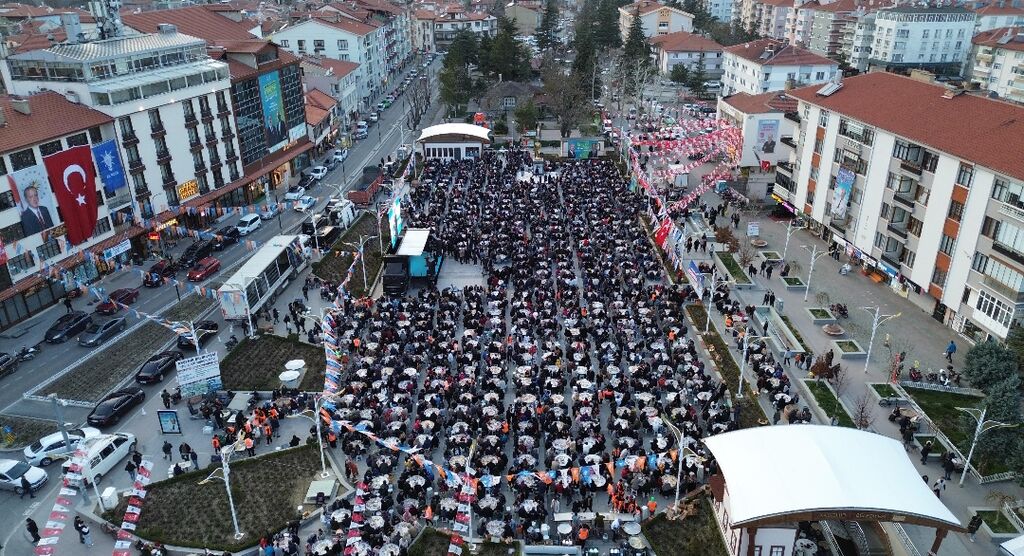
<point>248,224</point>
<point>102,454</point>
<point>342,212</point>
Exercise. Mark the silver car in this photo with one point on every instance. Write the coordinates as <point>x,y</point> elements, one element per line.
<point>51,447</point>
<point>11,472</point>
<point>99,332</point>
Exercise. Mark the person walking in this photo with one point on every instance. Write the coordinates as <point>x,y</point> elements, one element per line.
<point>26,488</point>
<point>167,447</point>
<point>973,526</point>
<point>194,456</point>
<point>950,350</point>
<point>938,486</point>
<point>276,315</point>
<point>927,449</point>
<point>287,324</point>
<point>166,397</point>
<point>250,447</point>
<point>130,468</point>
<point>67,304</point>
<point>86,535</point>
<point>948,466</point>
<point>79,524</point>
<point>787,356</point>
<point>305,292</point>
<point>32,529</point>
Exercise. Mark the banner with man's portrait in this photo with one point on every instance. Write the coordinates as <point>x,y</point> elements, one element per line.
<point>34,198</point>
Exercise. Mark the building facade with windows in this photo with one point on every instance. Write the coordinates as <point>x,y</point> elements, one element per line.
<point>689,50</point>
<point>998,14</point>
<point>30,128</point>
<point>656,18</point>
<point>767,65</point>
<point>996,63</point>
<point>937,39</point>
<point>924,186</point>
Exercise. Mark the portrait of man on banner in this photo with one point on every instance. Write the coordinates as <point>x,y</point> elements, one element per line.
<point>35,200</point>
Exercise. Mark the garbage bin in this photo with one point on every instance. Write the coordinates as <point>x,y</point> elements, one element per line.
<point>109,497</point>
<point>778,305</point>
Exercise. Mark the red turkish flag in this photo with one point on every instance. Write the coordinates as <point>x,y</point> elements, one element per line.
<point>73,179</point>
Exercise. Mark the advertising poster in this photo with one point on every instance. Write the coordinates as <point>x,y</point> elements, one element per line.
<point>395,222</point>
<point>169,423</point>
<point>767,135</point>
<point>36,202</point>
<point>273,111</point>
<point>199,375</point>
<point>581,148</point>
<point>841,194</point>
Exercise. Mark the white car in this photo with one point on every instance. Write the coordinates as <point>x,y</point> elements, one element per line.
<point>11,472</point>
<point>305,203</point>
<point>341,155</point>
<point>294,193</point>
<point>51,447</point>
<point>318,172</point>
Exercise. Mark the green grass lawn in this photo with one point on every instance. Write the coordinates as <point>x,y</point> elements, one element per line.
<point>694,535</point>
<point>998,522</point>
<point>733,266</point>
<point>792,281</point>
<point>827,401</point>
<point>885,391</point>
<point>335,263</point>
<point>848,346</point>
<point>256,364</point>
<point>796,333</point>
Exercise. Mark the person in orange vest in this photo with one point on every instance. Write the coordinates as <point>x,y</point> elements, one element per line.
<point>428,514</point>
<point>611,492</point>
<point>216,444</point>
<point>652,506</point>
<point>583,534</point>
<point>268,433</point>
<point>250,448</point>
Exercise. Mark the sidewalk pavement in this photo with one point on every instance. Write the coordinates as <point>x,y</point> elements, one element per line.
<point>924,339</point>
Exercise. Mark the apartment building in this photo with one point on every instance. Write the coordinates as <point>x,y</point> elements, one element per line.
<point>31,128</point>
<point>719,9</point>
<point>998,14</point>
<point>767,135</point>
<point>937,39</point>
<point>423,30</point>
<point>767,65</point>
<point>656,18</point>
<point>689,50</point>
<point>858,36</point>
<point>828,27</point>
<point>449,23</point>
<point>996,63</point>
<point>323,120</point>
<point>337,78</point>
<point>527,15</point>
<point>921,184</point>
<point>768,18</point>
<point>394,22</point>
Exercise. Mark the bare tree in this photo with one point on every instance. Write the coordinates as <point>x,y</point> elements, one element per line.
<point>822,298</point>
<point>567,95</point>
<point>746,255</point>
<point>418,100</point>
<point>863,412</point>
<point>634,79</point>
<point>899,351</point>
<point>839,379</point>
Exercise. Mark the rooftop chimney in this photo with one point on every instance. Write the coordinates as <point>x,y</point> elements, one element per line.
<point>21,105</point>
<point>167,29</point>
<point>72,26</point>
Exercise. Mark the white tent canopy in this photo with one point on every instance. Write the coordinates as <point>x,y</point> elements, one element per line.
<point>413,242</point>
<point>774,471</point>
<point>466,131</point>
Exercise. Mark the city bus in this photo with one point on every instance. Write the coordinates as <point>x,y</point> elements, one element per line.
<point>258,282</point>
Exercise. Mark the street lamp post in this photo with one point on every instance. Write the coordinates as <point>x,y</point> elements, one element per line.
<point>362,260</point>
<point>711,293</point>
<point>743,364</point>
<point>59,413</point>
<point>877,321</point>
<point>317,406</point>
<point>815,255</point>
<point>790,230</point>
<point>225,468</point>
<point>979,416</point>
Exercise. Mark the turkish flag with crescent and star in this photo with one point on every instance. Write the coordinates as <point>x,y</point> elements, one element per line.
<point>73,179</point>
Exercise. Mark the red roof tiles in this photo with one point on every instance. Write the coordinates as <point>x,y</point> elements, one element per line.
<point>760,104</point>
<point>981,130</point>
<point>198,21</point>
<point>996,38</point>
<point>51,116</point>
<point>682,41</point>
<point>782,54</point>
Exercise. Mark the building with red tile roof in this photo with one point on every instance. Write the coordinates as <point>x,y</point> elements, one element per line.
<point>767,65</point>
<point>656,18</point>
<point>762,120</point>
<point>996,63</point>
<point>689,50</point>
<point>998,14</point>
<point>926,183</point>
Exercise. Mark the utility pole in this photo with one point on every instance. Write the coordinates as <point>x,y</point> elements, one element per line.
<point>979,416</point>
<point>815,255</point>
<point>877,321</point>
<point>59,413</point>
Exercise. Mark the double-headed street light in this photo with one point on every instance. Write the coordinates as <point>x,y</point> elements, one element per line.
<point>743,365</point>
<point>815,255</point>
<point>877,321</point>
<point>979,416</point>
<point>790,230</point>
<point>317,420</point>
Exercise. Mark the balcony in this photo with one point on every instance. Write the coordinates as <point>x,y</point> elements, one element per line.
<point>170,182</point>
<point>1011,211</point>
<point>136,166</point>
<point>158,131</point>
<point>911,166</point>
<point>788,141</point>
<point>985,57</point>
<point>899,230</point>
<point>207,116</point>
<point>785,168</point>
<point>893,258</point>
<point>1008,251</point>
<point>199,166</point>
<point>982,69</point>
<point>163,156</point>
<point>190,118</point>
<point>792,116</point>
<point>129,138</point>
<point>222,110</point>
<point>904,199</point>
<point>211,139</point>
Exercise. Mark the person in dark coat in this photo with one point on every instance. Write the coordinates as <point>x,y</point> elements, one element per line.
<point>33,530</point>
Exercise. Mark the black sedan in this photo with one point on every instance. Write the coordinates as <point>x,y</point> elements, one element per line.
<point>112,408</point>
<point>8,363</point>
<point>195,252</point>
<point>99,332</point>
<point>155,277</point>
<point>158,366</point>
<point>225,236</point>
<point>68,326</point>
<point>206,329</point>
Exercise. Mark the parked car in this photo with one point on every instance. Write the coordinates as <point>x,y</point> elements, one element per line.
<point>305,203</point>
<point>331,163</point>
<point>206,329</point>
<point>8,364</point>
<point>158,366</point>
<point>116,405</point>
<point>318,172</point>
<point>306,181</point>
<point>99,332</point>
<point>374,116</point>
<point>123,296</point>
<point>11,472</point>
<point>270,210</point>
<point>203,269</point>
<point>53,447</point>
<point>196,252</point>
<point>294,192</point>
<point>249,224</point>
<point>341,155</point>
<point>228,235</point>
<point>157,273</point>
<point>381,106</point>
<point>103,454</point>
<point>67,326</point>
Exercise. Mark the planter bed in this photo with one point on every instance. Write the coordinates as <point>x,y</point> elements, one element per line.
<point>796,333</point>
<point>256,364</point>
<point>696,534</point>
<point>732,266</point>
<point>24,431</point>
<point>849,349</point>
<point>266,489</point>
<point>334,264</point>
<point>884,390</point>
<point>827,401</point>
<point>998,525</point>
<point>794,283</point>
<point>771,257</point>
<point>96,376</point>
<point>820,315</point>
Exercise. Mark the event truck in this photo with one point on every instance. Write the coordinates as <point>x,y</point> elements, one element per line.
<point>415,257</point>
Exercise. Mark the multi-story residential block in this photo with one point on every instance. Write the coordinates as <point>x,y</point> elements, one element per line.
<point>800,20</point>
<point>526,15</point>
<point>689,50</point>
<point>337,78</point>
<point>998,14</point>
<point>265,81</point>
<point>453,20</point>
<point>656,18</point>
<point>996,63</point>
<point>858,36</point>
<point>768,65</point>
<point>30,128</point>
<point>768,18</point>
<point>323,120</point>
<point>933,38</point>
<point>767,135</point>
<point>828,27</point>
<point>719,9</point>
<point>395,26</point>
<point>158,87</point>
<point>423,30</point>
<point>924,186</point>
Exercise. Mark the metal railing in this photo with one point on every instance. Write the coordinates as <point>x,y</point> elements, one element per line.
<point>830,538</point>
<point>905,540</point>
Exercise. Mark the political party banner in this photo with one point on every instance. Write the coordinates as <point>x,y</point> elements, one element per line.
<point>841,194</point>
<point>581,148</point>
<point>35,200</point>
<point>199,375</point>
<point>136,498</point>
<point>767,136</point>
<point>273,111</point>
<point>108,161</point>
<point>395,222</point>
<point>73,181</point>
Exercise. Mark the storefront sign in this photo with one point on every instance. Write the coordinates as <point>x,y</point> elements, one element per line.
<point>199,375</point>
<point>888,269</point>
<point>187,190</point>
<point>116,250</point>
